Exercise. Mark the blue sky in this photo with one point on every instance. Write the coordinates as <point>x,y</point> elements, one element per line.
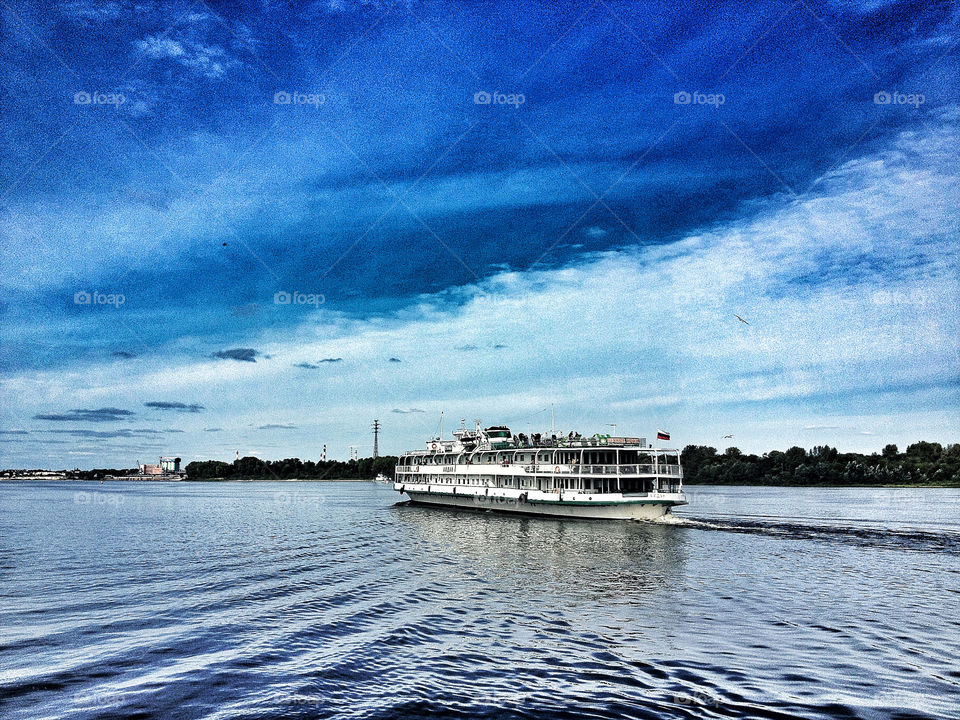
<point>641,174</point>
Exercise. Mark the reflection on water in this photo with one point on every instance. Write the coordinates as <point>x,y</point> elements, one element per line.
<point>264,600</point>
<point>610,561</point>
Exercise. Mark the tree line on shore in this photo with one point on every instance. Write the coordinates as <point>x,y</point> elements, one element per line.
<point>923,463</point>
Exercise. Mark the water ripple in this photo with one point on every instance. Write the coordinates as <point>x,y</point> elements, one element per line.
<point>221,602</point>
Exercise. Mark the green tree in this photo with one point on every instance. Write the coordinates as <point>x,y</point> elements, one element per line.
<point>794,457</point>
<point>693,458</point>
<point>924,450</point>
<point>824,452</point>
<point>249,467</point>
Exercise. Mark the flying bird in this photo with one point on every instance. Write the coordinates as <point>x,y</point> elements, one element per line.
<point>741,319</point>
<point>727,436</point>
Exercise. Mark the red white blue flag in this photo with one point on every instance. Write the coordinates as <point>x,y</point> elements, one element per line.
<point>661,435</point>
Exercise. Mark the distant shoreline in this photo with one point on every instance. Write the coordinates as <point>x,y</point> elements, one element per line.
<point>823,486</point>
<point>178,482</point>
<point>947,485</point>
<point>223,480</point>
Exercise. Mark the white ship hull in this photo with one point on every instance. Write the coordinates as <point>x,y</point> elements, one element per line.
<point>613,506</point>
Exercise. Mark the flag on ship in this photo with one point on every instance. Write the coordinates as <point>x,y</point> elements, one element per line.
<point>661,435</point>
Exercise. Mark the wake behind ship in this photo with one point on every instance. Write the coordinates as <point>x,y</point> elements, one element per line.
<point>566,476</point>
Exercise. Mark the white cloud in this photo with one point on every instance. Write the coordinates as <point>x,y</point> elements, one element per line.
<point>90,12</point>
<point>161,47</point>
<point>210,61</point>
<point>850,293</point>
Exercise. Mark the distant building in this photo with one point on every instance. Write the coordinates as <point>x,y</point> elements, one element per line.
<point>167,468</point>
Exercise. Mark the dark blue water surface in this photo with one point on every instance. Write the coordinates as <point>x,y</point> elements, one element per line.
<point>316,600</point>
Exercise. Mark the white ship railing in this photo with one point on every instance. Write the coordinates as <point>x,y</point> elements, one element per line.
<point>630,470</point>
<point>601,469</point>
<point>545,469</point>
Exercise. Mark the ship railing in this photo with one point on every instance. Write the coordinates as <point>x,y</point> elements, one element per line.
<point>574,469</point>
<point>599,469</point>
<point>650,470</point>
<point>618,470</point>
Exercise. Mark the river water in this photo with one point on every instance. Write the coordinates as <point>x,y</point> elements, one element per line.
<point>316,600</point>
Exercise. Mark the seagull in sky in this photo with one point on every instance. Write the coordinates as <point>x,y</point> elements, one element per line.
<point>741,319</point>
<point>727,436</point>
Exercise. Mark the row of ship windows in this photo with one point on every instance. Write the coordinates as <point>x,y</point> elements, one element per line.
<point>598,486</point>
<point>563,457</point>
<point>497,458</point>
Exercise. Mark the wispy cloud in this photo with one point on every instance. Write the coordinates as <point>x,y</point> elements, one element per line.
<point>247,310</point>
<point>241,354</point>
<point>210,61</point>
<point>105,434</point>
<point>182,407</point>
<point>277,426</point>
<point>317,365</point>
<point>410,410</point>
<point>93,12</point>
<point>161,47</point>
<point>107,414</point>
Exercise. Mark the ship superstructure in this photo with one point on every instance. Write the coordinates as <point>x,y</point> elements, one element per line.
<point>601,476</point>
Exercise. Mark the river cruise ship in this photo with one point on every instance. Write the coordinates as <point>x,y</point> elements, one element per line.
<point>601,476</point>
